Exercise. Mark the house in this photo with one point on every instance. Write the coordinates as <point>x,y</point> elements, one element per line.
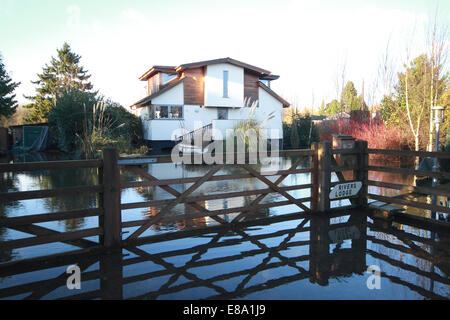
<point>214,94</point>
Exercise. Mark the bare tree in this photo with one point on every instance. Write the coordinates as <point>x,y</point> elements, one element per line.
<point>386,70</point>
<point>437,46</point>
<point>415,105</point>
<point>340,78</point>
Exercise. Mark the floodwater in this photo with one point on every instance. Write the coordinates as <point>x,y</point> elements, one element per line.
<point>310,257</point>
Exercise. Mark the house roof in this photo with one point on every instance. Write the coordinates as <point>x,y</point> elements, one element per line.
<point>263,74</point>
<point>148,98</point>
<point>273,94</point>
<point>155,69</point>
<point>223,60</point>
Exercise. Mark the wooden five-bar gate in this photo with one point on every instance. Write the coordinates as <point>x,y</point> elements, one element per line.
<point>324,161</point>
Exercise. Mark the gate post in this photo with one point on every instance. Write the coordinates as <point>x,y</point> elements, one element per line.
<point>324,176</point>
<point>314,176</point>
<point>361,173</point>
<point>111,222</point>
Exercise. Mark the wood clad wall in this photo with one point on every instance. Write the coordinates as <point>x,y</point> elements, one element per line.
<point>153,84</point>
<point>251,87</point>
<point>194,87</point>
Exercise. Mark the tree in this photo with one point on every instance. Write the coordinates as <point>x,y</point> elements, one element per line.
<point>83,122</point>
<point>322,109</point>
<point>62,74</point>
<point>68,118</point>
<point>295,138</point>
<point>437,44</point>
<point>334,107</point>
<point>349,98</point>
<point>408,107</point>
<point>8,104</point>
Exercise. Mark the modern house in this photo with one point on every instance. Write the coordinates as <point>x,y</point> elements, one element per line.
<point>214,94</point>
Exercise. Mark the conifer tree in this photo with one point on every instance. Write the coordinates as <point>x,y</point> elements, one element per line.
<point>62,74</point>
<point>8,104</point>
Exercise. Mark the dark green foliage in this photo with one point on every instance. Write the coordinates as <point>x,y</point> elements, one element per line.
<point>81,122</point>
<point>349,98</point>
<point>67,116</point>
<point>7,103</point>
<point>63,73</point>
<point>444,164</point>
<point>300,134</point>
<point>334,107</point>
<point>131,129</point>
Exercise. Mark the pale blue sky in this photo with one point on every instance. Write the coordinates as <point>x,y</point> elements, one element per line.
<point>302,41</point>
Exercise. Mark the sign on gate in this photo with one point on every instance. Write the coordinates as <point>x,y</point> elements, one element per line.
<point>345,190</point>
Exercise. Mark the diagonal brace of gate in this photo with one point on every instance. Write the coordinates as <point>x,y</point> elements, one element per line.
<point>173,192</point>
<point>273,186</point>
<point>262,196</point>
<point>174,202</point>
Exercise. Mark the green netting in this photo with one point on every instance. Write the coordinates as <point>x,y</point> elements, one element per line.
<point>30,135</point>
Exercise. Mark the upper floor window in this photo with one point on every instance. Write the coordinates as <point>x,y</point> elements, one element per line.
<point>225,84</point>
<point>165,77</point>
<point>266,82</point>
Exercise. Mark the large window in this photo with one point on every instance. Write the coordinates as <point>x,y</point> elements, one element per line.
<point>167,112</point>
<point>161,112</point>
<point>165,77</point>
<point>225,84</point>
<point>176,112</point>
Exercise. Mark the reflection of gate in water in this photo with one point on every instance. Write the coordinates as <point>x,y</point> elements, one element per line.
<point>303,244</point>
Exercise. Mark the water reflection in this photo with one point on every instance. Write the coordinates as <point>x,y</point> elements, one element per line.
<point>311,257</point>
<point>172,171</point>
<point>50,179</point>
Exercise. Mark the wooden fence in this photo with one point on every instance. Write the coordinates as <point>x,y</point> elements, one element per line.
<point>109,210</point>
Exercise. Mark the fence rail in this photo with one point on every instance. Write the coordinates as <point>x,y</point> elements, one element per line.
<point>324,161</point>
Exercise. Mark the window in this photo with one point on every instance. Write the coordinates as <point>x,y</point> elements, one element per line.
<point>161,112</point>
<point>176,112</point>
<point>222,113</point>
<point>225,84</point>
<point>266,82</point>
<point>165,77</point>
<point>167,112</point>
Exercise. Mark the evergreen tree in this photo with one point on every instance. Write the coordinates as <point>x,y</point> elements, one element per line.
<point>322,109</point>
<point>63,73</point>
<point>349,98</point>
<point>332,108</point>
<point>7,103</point>
<point>295,139</point>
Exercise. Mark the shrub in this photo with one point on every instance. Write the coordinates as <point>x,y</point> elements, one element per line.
<point>444,164</point>
<point>66,118</point>
<point>84,123</point>
<point>300,133</point>
<point>377,135</point>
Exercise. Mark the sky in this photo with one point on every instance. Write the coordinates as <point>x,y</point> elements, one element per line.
<point>307,43</point>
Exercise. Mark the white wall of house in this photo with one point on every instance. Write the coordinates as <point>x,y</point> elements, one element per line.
<point>267,104</point>
<point>214,85</point>
<point>195,116</point>
<point>173,96</point>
